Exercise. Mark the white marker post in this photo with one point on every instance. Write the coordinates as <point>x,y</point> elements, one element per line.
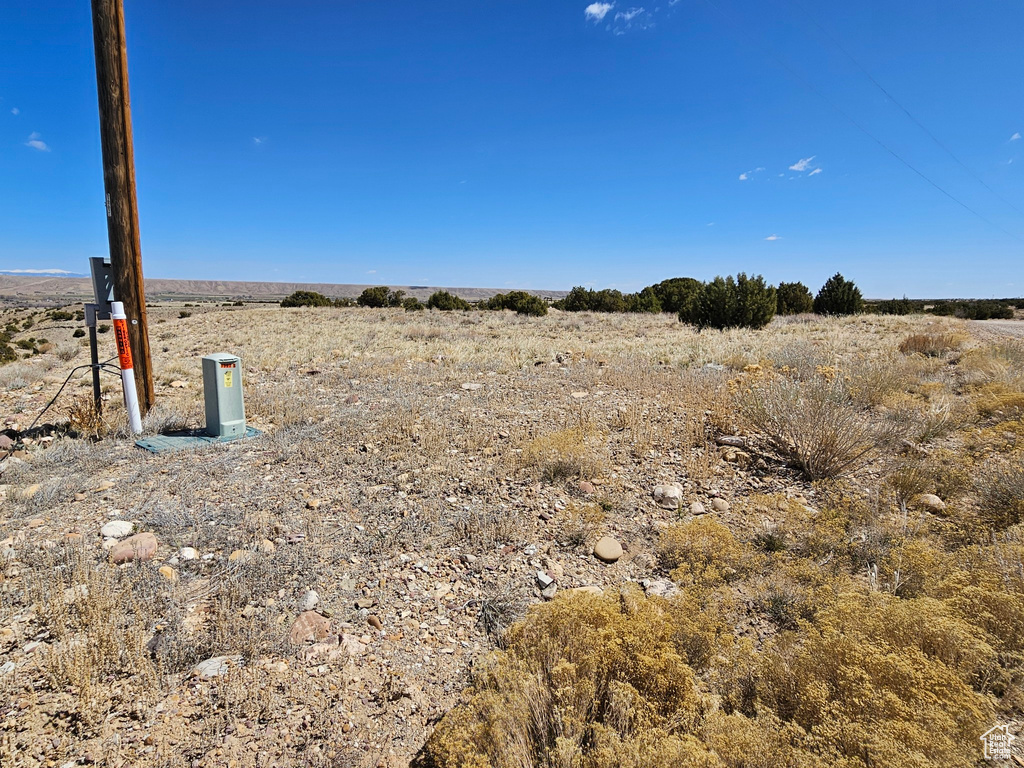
<point>124,358</point>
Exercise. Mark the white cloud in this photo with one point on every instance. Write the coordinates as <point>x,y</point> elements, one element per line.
<point>37,272</point>
<point>36,142</point>
<point>16,111</point>
<point>371,271</point>
<point>1015,137</point>
<point>597,11</point>
<point>629,15</point>
<point>802,165</point>
<point>257,140</point>
<point>773,237</point>
<point>815,172</point>
<point>744,176</point>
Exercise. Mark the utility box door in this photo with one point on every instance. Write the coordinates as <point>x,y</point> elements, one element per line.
<point>222,388</point>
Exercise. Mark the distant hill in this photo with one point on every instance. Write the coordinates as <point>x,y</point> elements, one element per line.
<point>45,289</point>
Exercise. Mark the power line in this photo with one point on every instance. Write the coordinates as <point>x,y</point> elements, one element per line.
<point>831,38</point>
<point>814,89</point>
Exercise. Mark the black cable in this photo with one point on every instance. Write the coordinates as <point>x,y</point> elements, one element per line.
<point>894,100</point>
<point>102,366</point>
<point>814,89</point>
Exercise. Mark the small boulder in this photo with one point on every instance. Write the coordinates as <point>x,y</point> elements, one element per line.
<point>929,502</point>
<point>668,496</point>
<point>731,440</point>
<point>141,546</point>
<point>217,666</point>
<point>187,553</point>
<point>586,487</point>
<point>116,529</point>
<point>696,508</point>
<point>309,601</point>
<point>607,549</point>
<point>719,505</point>
<point>309,627</point>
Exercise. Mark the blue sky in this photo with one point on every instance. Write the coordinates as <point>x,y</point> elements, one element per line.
<point>531,144</point>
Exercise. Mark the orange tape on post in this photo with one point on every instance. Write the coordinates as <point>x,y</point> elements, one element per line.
<point>124,347</point>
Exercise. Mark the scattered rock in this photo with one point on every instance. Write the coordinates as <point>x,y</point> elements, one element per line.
<point>352,399</point>
<point>6,668</point>
<point>544,580</point>
<point>309,601</point>
<point>116,529</point>
<point>365,602</point>
<point>267,547</point>
<point>31,491</point>
<point>696,508</point>
<point>6,443</point>
<point>549,591</point>
<point>586,487</point>
<point>929,502</point>
<point>106,485</point>
<point>141,546</point>
<point>309,627</point>
<point>241,556</point>
<point>168,573</point>
<point>187,553</point>
<point>554,568</point>
<point>374,622</point>
<point>607,549</point>
<point>217,666</point>
<point>472,386</point>
<point>732,440</point>
<point>668,496</point>
<point>179,384</point>
<point>660,588</point>
<point>719,505</point>
<point>579,395</point>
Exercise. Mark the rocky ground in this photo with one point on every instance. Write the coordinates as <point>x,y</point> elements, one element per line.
<point>318,595</point>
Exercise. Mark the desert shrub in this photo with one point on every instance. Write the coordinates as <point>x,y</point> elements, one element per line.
<point>79,333</point>
<point>881,682</point>
<point>902,306</point>
<point>701,551</point>
<point>677,294</point>
<point>573,452</point>
<point>587,681</point>
<point>931,344</point>
<point>60,314</point>
<point>793,299</point>
<point>838,296</point>
<point>815,425</point>
<point>184,313</point>
<point>412,304</point>
<point>581,523</point>
<point>447,302</point>
<point>380,296</point>
<point>974,310</point>
<point>997,400</point>
<point>520,302</point>
<point>1000,492</point>
<point>733,303</point>
<point>644,301</point>
<point>306,299</point>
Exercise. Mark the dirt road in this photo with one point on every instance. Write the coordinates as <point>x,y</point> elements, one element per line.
<point>991,328</point>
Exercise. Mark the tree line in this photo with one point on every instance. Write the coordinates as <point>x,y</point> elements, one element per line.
<point>725,302</point>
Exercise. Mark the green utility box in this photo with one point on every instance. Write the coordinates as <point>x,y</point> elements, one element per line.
<point>222,389</point>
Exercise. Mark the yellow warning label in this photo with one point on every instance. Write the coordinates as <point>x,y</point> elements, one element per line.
<point>228,379</point>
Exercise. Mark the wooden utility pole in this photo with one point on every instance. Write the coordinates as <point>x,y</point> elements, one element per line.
<point>119,184</point>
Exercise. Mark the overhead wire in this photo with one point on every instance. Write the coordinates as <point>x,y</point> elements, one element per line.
<point>885,91</point>
<point>857,124</point>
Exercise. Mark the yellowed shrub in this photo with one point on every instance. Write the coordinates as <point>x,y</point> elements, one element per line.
<point>702,551</point>
<point>882,682</point>
<point>931,344</point>
<point>585,681</point>
<point>997,400</point>
<point>573,452</point>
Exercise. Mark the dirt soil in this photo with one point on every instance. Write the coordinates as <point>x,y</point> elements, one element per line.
<point>426,475</point>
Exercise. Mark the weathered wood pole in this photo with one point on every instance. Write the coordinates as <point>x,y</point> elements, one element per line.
<point>119,184</point>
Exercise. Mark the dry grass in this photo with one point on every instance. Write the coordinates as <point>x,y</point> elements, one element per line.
<point>381,481</point>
